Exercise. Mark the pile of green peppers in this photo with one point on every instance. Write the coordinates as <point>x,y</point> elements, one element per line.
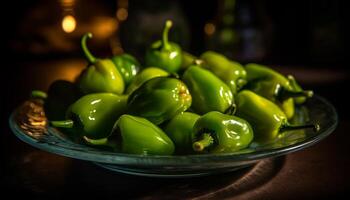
<point>176,103</point>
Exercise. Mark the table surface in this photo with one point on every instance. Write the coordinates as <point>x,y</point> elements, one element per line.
<point>318,171</point>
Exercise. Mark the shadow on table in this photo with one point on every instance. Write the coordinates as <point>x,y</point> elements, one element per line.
<point>44,174</point>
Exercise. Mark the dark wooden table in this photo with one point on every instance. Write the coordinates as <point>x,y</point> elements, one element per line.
<point>320,171</point>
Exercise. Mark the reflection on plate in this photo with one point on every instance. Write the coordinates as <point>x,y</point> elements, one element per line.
<point>28,122</point>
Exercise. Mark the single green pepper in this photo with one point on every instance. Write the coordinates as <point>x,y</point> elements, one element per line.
<point>164,54</point>
<point>274,86</point>
<point>94,115</point>
<point>216,132</point>
<point>60,96</point>
<point>209,93</point>
<point>159,99</point>
<point>264,87</point>
<point>139,136</point>
<point>266,118</point>
<point>145,75</point>
<point>231,72</point>
<point>101,75</point>
<point>179,129</point>
<point>127,66</point>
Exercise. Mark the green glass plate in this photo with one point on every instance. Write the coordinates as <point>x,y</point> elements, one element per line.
<point>29,124</point>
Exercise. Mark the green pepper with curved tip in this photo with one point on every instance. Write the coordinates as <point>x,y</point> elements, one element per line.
<point>208,92</point>
<point>164,54</point>
<point>179,129</point>
<point>266,118</point>
<point>216,132</point>
<point>94,115</point>
<point>145,75</point>
<point>137,135</point>
<point>159,99</point>
<point>231,72</point>
<point>273,86</point>
<point>127,66</point>
<point>101,75</point>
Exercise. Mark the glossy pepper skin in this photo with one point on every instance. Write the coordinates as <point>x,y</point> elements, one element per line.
<point>94,115</point>
<point>231,72</point>
<point>273,86</point>
<point>179,129</point>
<point>140,136</point>
<point>265,117</point>
<point>208,92</point>
<point>101,75</point>
<point>145,75</point>
<point>159,99</point>
<point>60,96</point>
<point>164,54</point>
<point>127,66</point>
<point>216,132</point>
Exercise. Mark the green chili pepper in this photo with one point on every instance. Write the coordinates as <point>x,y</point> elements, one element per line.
<point>159,99</point>
<point>273,86</point>
<point>139,136</point>
<point>127,66</point>
<point>179,129</point>
<point>209,93</point>
<point>145,75</point>
<point>101,75</point>
<point>94,115</point>
<point>164,54</point>
<point>266,118</point>
<point>231,72</point>
<point>216,132</point>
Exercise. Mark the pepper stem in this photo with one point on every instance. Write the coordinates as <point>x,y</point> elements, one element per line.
<point>86,51</point>
<point>165,41</point>
<point>288,127</point>
<point>38,94</point>
<point>286,94</point>
<point>206,141</point>
<point>62,124</point>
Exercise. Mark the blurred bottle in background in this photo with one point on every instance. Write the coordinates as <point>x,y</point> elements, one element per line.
<point>326,36</point>
<point>241,30</point>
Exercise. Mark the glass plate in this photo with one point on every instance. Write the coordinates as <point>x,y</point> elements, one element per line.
<point>29,124</point>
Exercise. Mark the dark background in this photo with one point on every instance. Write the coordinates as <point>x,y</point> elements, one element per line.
<point>303,38</point>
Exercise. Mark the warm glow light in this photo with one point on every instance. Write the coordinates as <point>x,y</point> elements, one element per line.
<point>209,28</point>
<point>103,27</point>
<point>122,14</point>
<point>68,24</point>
